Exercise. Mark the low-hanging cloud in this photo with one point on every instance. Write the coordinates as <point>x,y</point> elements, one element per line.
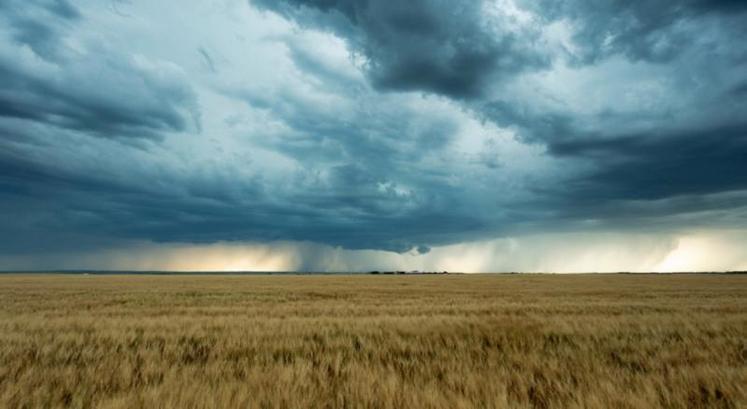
<point>703,251</point>
<point>369,126</point>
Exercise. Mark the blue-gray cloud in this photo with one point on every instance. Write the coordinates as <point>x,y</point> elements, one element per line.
<point>440,124</point>
<point>656,31</point>
<point>97,90</point>
<point>38,24</point>
<point>430,45</point>
<point>695,42</point>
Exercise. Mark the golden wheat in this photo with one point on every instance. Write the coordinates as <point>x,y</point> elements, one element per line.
<point>491,341</point>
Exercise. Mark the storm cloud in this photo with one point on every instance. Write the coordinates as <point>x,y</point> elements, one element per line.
<point>89,87</point>
<point>430,45</point>
<point>369,125</point>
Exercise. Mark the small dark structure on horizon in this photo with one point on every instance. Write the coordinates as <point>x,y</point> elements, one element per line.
<point>410,273</point>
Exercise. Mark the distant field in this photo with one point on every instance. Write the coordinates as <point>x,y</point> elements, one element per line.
<point>494,341</point>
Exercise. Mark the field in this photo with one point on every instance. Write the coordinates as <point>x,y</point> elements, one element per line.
<point>456,341</point>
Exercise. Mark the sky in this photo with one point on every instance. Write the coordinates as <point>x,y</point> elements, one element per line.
<point>356,135</point>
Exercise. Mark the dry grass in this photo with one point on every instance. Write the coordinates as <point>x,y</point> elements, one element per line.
<point>591,341</point>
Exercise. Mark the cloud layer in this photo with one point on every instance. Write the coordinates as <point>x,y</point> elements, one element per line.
<point>368,125</point>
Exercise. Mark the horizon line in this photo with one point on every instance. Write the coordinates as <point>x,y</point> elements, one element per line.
<point>300,272</point>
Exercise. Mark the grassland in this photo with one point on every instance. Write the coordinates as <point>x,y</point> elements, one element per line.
<point>511,341</point>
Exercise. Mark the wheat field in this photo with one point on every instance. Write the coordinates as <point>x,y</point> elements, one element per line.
<point>456,341</point>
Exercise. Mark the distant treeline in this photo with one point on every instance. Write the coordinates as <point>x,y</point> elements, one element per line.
<point>408,272</point>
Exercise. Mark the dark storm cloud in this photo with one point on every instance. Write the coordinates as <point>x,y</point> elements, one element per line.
<point>46,206</point>
<point>39,24</point>
<point>50,207</point>
<point>132,103</point>
<point>438,46</point>
<point>352,162</point>
<point>698,149</point>
<point>427,45</point>
<point>98,91</point>
<point>650,30</point>
<point>542,127</point>
<point>688,162</point>
<point>362,183</point>
<point>53,203</point>
<point>365,185</point>
<point>673,158</point>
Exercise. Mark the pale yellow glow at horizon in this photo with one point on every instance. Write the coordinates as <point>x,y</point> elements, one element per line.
<point>234,258</point>
<point>705,253</point>
<point>559,253</point>
<point>688,254</point>
<point>563,253</point>
<point>219,257</point>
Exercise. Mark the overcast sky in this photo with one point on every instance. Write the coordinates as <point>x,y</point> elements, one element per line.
<point>496,135</point>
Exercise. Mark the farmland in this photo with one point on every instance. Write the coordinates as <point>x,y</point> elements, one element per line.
<point>364,341</point>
